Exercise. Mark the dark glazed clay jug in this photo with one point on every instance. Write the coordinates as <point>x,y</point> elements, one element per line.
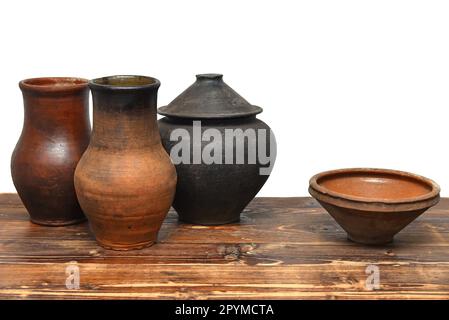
<point>55,134</point>
<point>215,139</point>
<point>125,180</point>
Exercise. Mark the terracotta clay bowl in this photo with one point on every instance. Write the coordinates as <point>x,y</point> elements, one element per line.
<point>372,205</point>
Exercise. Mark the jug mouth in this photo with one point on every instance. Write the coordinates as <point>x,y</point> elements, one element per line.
<point>124,82</point>
<point>53,84</point>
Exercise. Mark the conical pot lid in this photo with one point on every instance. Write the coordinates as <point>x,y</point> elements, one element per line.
<point>209,98</point>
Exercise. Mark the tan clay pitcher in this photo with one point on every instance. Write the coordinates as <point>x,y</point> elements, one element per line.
<point>125,181</point>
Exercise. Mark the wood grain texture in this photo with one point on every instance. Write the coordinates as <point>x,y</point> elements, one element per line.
<point>283,248</point>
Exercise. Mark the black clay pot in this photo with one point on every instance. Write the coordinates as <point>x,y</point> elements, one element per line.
<point>222,153</point>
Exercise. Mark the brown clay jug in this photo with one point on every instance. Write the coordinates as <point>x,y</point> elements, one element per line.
<point>125,180</point>
<point>55,133</point>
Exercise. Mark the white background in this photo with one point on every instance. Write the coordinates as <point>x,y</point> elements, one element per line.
<point>342,83</point>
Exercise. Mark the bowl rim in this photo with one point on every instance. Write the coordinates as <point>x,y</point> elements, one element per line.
<point>428,198</point>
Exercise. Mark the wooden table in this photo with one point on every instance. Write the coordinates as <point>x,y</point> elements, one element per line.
<point>283,248</point>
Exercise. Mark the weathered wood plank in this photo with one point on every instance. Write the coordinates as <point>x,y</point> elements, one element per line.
<point>249,253</point>
<point>283,248</point>
<point>235,280</point>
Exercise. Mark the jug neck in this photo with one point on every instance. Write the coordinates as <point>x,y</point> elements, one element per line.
<point>124,112</point>
<point>55,104</point>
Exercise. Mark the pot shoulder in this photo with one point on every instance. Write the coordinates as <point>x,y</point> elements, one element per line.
<point>247,134</point>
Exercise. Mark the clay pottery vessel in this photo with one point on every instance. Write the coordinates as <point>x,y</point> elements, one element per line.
<point>125,180</point>
<point>218,175</point>
<point>55,133</point>
<point>372,205</point>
